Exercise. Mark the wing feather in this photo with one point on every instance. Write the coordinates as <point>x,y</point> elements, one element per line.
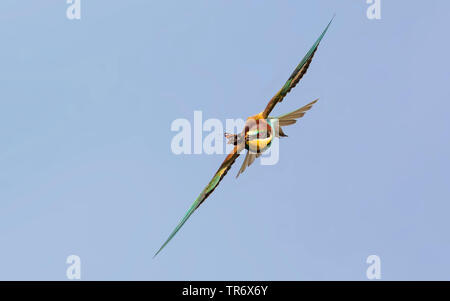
<point>218,176</point>
<point>295,76</point>
<point>291,118</point>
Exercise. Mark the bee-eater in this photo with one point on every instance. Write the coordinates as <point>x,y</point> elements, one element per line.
<point>257,135</point>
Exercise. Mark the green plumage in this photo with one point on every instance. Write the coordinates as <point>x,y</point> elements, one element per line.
<point>295,77</point>
<point>284,120</point>
<point>218,176</point>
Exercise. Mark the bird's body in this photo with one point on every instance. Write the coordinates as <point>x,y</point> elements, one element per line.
<point>257,135</point>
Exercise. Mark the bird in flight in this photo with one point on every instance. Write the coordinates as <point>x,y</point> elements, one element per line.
<point>259,131</point>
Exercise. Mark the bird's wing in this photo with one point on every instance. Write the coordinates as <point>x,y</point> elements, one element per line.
<point>291,118</point>
<point>295,76</point>
<point>221,172</point>
<point>249,159</point>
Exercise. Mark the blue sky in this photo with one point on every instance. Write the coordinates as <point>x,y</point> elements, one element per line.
<point>86,166</point>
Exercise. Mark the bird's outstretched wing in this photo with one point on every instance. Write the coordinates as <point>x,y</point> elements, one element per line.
<point>295,76</point>
<point>221,172</point>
